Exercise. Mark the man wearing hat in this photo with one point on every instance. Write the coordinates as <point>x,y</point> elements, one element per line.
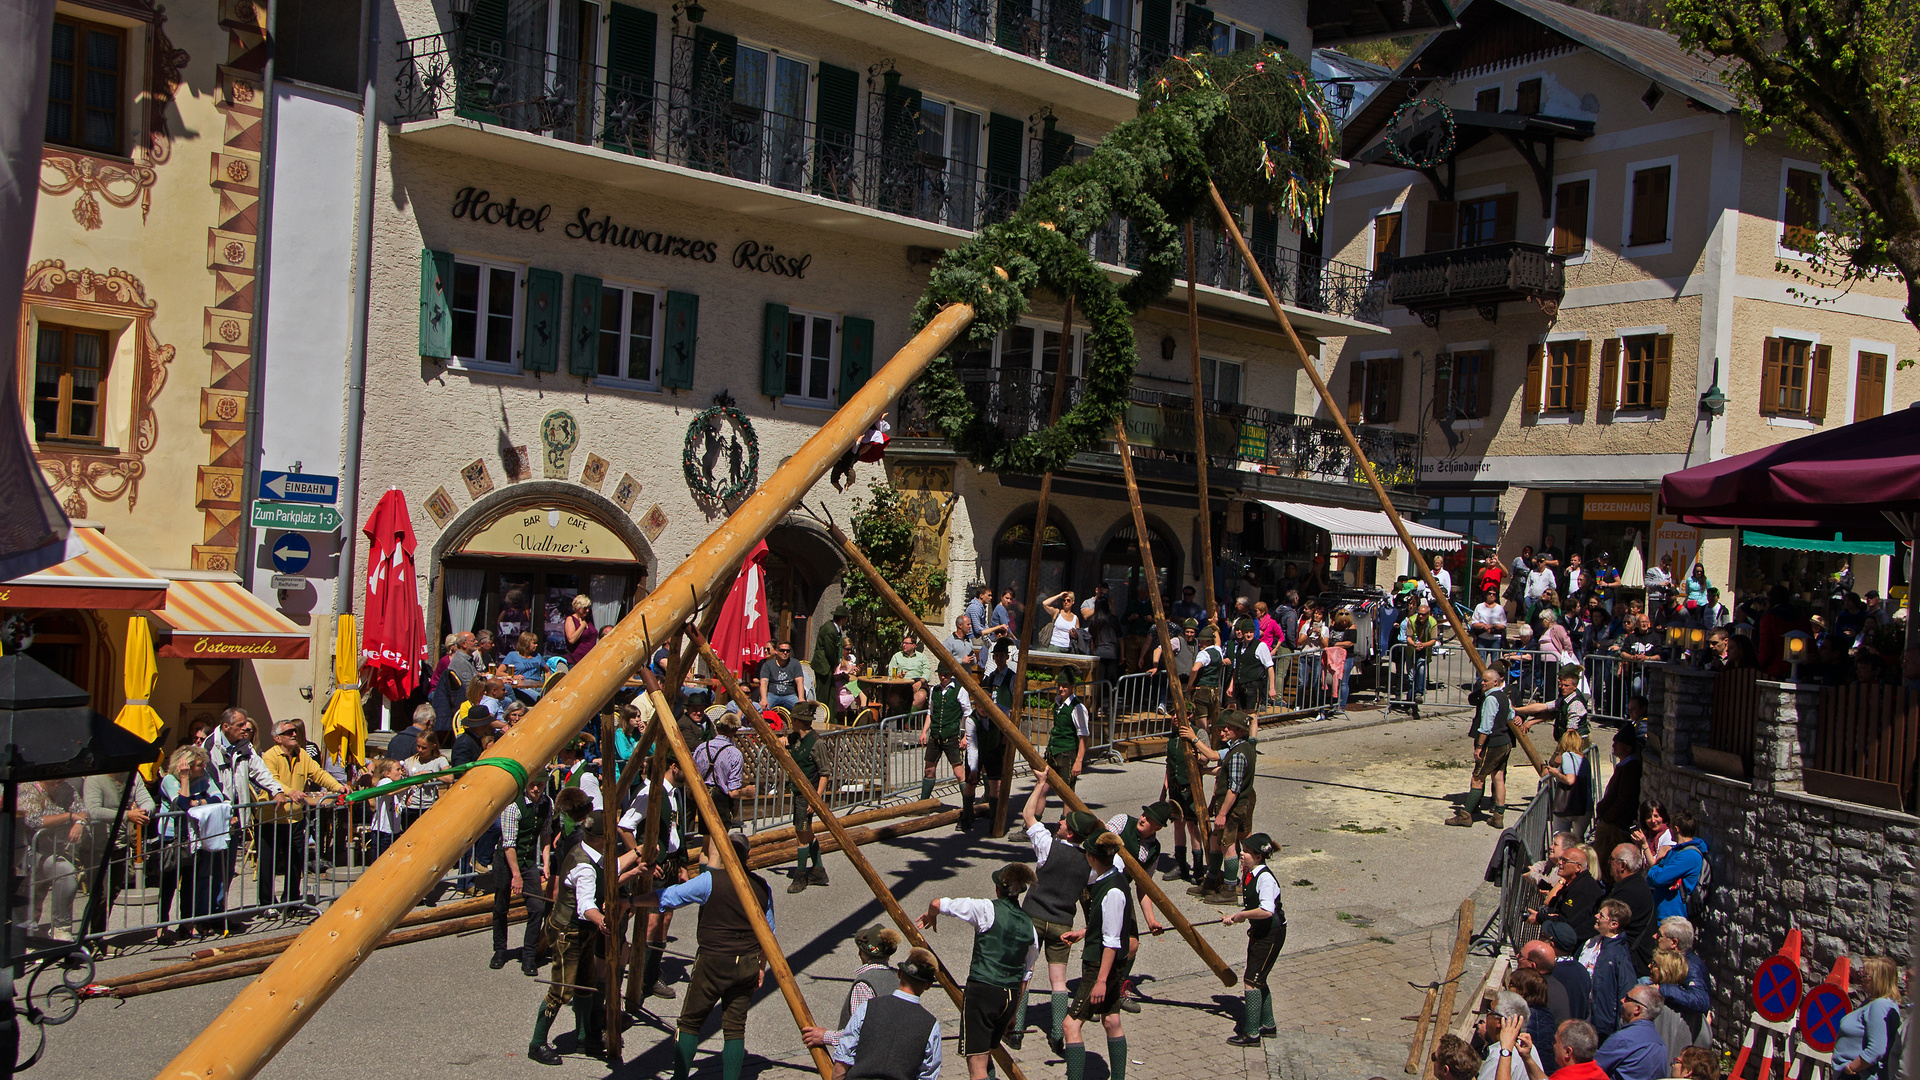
<point>728,965</point>
<point>1185,816</point>
<point>1266,923</point>
<point>1252,676</point>
<point>803,745</point>
<point>1181,637</point>
<point>1005,948</point>
<point>944,734</point>
<point>902,1042</point>
<point>1139,836</point>
<point>675,817</point>
<point>986,743</point>
<point>829,648</point>
<point>1571,711</point>
<point>1233,799</point>
<point>722,767</point>
<point>1066,742</point>
<point>1060,878</point>
<point>576,931</point>
<point>574,771</point>
<point>875,947</point>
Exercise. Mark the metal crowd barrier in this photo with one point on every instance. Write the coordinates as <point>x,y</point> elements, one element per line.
<point>1531,833</point>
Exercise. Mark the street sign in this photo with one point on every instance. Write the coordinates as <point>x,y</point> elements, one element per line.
<point>295,517</point>
<point>1776,988</point>
<point>299,487</point>
<point>289,582</point>
<point>290,553</point>
<point>1820,1016</point>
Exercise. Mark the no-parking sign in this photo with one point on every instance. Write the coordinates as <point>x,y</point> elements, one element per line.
<point>1776,988</point>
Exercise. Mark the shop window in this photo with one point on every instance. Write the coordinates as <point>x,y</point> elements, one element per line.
<point>1793,378</point>
<point>1870,386</point>
<point>69,383</point>
<point>809,358</point>
<point>84,86</point>
<point>1120,566</point>
<point>1650,210</point>
<point>486,311</point>
<point>1463,385</point>
<point>629,342</point>
<point>1802,209</point>
<point>1386,242</point>
<point>1571,217</point>
<point>1474,516</point>
<point>1220,380</point>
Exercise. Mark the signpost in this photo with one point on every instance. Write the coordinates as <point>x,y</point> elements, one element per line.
<point>295,517</point>
<point>1776,996</point>
<point>290,553</point>
<point>1820,1014</point>
<point>299,488</point>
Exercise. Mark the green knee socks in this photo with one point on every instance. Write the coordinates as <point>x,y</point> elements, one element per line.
<point>813,853</point>
<point>542,1024</point>
<point>1076,1061</point>
<point>1473,802</point>
<point>650,967</point>
<point>926,788</point>
<point>1117,1058</point>
<point>1214,860</point>
<point>733,1055</point>
<point>800,860</point>
<point>683,1049</point>
<point>1060,1000</point>
<point>1250,1022</point>
<point>1266,1009</point>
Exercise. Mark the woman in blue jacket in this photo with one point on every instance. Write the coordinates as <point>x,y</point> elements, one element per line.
<point>1867,1033</point>
<point>1676,873</point>
<point>1692,1000</point>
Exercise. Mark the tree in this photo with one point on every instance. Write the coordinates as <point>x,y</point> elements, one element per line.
<point>1835,77</point>
<point>884,532</point>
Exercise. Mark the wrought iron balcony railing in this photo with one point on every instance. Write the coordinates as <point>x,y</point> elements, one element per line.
<point>1160,426</point>
<point>1477,277</point>
<point>1299,278</point>
<point>578,102</point>
<point>1059,33</point>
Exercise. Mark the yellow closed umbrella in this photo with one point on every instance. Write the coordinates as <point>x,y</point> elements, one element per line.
<point>343,722</point>
<point>142,671</point>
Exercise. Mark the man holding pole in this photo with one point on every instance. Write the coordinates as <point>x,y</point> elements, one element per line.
<point>671,857</point>
<point>804,744</point>
<point>1066,750</point>
<point>986,745</point>
<point>728,965</point>
<point>1060,880</point>
<point>1005,948</point>
<point>1233,800</point>
<point>577,929</point>
<point>1252,675</point>
<point>890,1038</point>
<point>944,734</point>
<point>1185,816</point>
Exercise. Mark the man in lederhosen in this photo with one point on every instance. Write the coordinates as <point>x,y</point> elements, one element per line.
<point>1185,816</point>
<point>892,1037</point>
<point>804,746</point>
<point>1005,948</point>
<point>944,734</point>
<point>1266,921</point>
<point>1140,836</point>
<point>723,768</point>
<point>576,933</point>
<point>1252,677</point>
<point>1233,799</point>
<point>1066,743</point>
<point>526,827</point>
<point>728,965</point>
<point>1107,905</point>
<point>1061,877</point>
<point>1211,671</point>
<point>1492,742</point>
<point>669,864</point>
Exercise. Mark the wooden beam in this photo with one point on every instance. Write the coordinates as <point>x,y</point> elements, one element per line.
<point>1199,446</point>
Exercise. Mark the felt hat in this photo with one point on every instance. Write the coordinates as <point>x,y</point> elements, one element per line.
<point>1207,636</point>
<point>919,967</point>
<point>477,716</point>
<point>1234,718</point>
<point>1246,626</point>
<point>1260,845</point>
<point>1083,825</point>
<point>1158,812</point>
<point>1189,624</point>
<point>876,940</point>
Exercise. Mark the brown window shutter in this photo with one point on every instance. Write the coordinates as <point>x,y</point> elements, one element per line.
<point>1392,373</point>
<point>1770,378</point>
<point>1650,206</point>
<point>1483,386</point>
<point>1570,219</point>
<point>1440,226</point>
<point>1870,389</point>
<point>1662,370</point>
<point>1582,367</point>
<point>1817,382</point>
<point>1506,209</point>
<point>1356,391</point>
<point>1536,355</point>
<point>1610,374</point>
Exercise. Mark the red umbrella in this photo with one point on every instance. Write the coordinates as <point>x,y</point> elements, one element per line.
<point>395,632</point>
<point>741,635</point>
<point>1863,479</point>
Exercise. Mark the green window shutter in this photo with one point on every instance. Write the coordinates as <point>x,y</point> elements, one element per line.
<point>436,310</point>
<point>773,351</point>
<point>1156,24</point>
<point>837,100</point>
<point>583,327</point>
<point>683,331</point>
<point>1005,135</point>
<point>1266,231</point>
<point>488,23</point>
<point>856,355</point>
<point>630,46</point>
<point>1199,29</point>
<point>1010,24</point>
<point>540,330</point>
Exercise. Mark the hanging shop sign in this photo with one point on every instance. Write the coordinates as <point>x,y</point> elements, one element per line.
<point>722,455</point>
<point>478,205</point>
<point>1167,427</point>
<point>548,532</point>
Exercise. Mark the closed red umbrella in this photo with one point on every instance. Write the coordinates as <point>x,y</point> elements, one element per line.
<point>741,635</point>
<point>395,632</point>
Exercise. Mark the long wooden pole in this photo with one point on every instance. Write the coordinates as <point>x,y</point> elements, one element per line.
<point>1456,964</point>
<point>776,747</point>
<point>1199,431</point>
<point>1176,743</point>
<point>737,873</point>
<point>983,703</point>
<point>260,1020</point>
<point>1339,416</point>
<point>1420,1033</point>
<point>615,913</point>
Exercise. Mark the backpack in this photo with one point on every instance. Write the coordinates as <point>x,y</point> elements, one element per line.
<point>1700,898</point>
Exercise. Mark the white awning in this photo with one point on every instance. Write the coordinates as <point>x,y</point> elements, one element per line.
<point>1365,532</point>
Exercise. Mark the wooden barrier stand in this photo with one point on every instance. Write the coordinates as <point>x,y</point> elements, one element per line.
<point>983,703</point>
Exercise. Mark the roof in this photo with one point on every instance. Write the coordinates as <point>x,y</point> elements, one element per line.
<point>1474,41</point>
<point>103,576</point>
<point>1365,532</point>
<point>1336,21</point>
<point>218,620</point>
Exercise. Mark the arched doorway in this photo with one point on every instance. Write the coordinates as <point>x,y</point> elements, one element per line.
<point>1013,547</point>
<point>801,565</point>
<point>1120,565</point>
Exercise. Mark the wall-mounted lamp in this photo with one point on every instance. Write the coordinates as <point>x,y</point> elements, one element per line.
<point>461,10</point>
<point>1168,347</point>
<point>694,10</point>
<point>1799,650</point>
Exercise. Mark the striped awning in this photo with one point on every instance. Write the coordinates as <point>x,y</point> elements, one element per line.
<point>101,577</point>
<point>1365,532</point>
<point>219,620</point>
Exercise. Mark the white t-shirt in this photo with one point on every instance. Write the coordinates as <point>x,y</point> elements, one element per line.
<point>1492,614</point>
<point>635,819</point>
<point>422,796</point>
<point>1113,913</point>
<point>1492,1064</point>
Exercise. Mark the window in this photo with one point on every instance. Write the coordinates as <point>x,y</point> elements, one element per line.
<point>1487,100</point>
<point>1386,242</point>
<point>310,46</point>
<point>950,163</point>
<point>770,115</point>
<point>1527,95</point>
<point>1486,220</point>
<point>1220,380</point>
<point>1643,375</point>
<point>1373,391</point>
<point>1651,194</point>
<point>809,358</point>
<point>1463,387</point>
<point>629,345</point>
<point>486,305</point>
<point>84,86</point>
<point>1793,378</point>
<point>1229,38</point>
<point>1571,203</point>
<point>1562,359</point>
<point>69,382</point>
<point>1476,516</point>
<point>1870,386</point>
<point>1557,377</point>
<point>1802,209</point>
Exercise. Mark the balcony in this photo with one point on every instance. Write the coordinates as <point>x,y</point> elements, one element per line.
<point>1253,442</point>
<point>1059,35</point>
<point>1478,277</point>
<point>489,101</point>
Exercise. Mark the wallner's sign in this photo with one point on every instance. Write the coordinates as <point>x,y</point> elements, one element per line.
<point>551,533</point>
<point>478,205</point>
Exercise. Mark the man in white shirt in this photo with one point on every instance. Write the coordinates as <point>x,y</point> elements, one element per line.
<point>1539,580</point>
<point>237,769</point>
<point>903,1039</point>
<point>1005,949</point>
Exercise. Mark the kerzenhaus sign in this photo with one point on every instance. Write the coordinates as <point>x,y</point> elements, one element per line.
<point>478,205</point>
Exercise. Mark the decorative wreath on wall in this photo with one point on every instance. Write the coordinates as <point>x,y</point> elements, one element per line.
<point>1252,122</point>
<point>1400,132</point>
<point>722,455</point>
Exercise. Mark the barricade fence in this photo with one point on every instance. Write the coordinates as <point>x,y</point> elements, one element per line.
<point>1517,892</point>
<point>1445,677</point>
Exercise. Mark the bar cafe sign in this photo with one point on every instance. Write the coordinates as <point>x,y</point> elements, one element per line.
<point>549,533</point>
<point>478,205</point>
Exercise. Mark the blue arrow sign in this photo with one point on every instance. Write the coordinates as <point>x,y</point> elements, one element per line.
<point>290,553</point>
<point>299,487</point>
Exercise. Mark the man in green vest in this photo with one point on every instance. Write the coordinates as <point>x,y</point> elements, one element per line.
<point>1211,671</point>
<point>525,827</point>
<point>1005,949</point>
<point>944,734</point>
<point>986,744</point>
<point>1067,741</point>
<point>1232,804</point>
<point>1571,711</point>
<point>1140,836</point>
<point>829,648</point>
<point>1185,816</point>
<point>576,932</point>
<point>803,744</point>
<point>1253,670</point>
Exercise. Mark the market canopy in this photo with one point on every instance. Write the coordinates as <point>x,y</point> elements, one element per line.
<point>219,620</point>
<point>101,577</point>
<point>1839,545</point>
<point>1365,532</point>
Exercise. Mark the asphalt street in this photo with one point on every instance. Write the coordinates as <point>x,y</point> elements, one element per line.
<point>1357,807</point>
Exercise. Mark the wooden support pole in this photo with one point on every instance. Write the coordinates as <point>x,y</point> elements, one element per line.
<point>1338,413</point>
<point>1457,964</point>
<point>761,858</point>
<point>1176,744</point>
<point>615,909</point>
<point>264,1015</point>
<point>1420,1033</point>
<point>983,703</point>
<point>776,747</point>
<point>1199,432</point>
<point>737,874</point>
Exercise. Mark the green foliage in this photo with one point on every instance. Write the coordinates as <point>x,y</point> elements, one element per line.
<point>1389,53</point>
<point>884,533</point>
<point>1836,78</point>
<point>1250,122</point>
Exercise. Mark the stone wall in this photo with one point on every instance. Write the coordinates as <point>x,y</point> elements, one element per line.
<point>1843,872</point>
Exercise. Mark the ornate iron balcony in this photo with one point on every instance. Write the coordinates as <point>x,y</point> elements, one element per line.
<point>1478,277</point>
<point>1299,278</point>
<point>1060,34</point>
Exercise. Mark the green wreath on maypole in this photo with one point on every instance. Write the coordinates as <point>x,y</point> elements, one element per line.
<point>1252,122</point>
